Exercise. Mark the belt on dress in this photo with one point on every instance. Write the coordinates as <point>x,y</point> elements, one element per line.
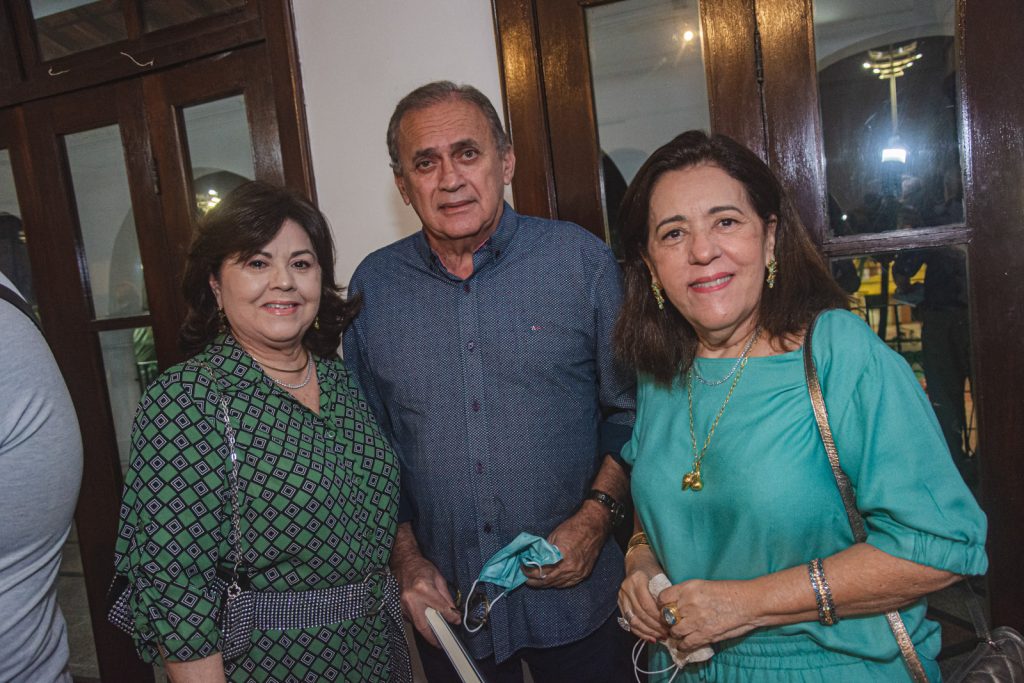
<point>251,610</point>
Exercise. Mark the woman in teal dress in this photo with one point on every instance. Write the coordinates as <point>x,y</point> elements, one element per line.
<point>304,523</point>
<point>736,501</point>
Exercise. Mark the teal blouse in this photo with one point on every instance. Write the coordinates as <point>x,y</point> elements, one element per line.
<point>770,501</point>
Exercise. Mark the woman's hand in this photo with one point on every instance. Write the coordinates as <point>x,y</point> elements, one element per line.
<point>709,611</point>
<point>635,601</point>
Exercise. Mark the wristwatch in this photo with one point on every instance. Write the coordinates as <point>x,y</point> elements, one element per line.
<point>617,509</point>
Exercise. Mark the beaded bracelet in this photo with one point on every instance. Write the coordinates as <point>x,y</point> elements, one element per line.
<point>822,593</point>
<point>635,541</point>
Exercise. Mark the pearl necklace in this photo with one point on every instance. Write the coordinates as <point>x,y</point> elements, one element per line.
<point>304,382</point>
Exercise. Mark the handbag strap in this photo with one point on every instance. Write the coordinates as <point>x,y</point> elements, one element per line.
<point>899,629</point>
<point>10,296</point>
<point>234,589</point>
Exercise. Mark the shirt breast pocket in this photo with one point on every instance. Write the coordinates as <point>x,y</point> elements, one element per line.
<point>556,343</point>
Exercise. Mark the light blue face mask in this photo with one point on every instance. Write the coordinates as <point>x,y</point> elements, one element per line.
<point>504,569</point>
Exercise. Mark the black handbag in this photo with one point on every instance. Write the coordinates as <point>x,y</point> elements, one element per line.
<point>236,614</point>
<point>999,656</point>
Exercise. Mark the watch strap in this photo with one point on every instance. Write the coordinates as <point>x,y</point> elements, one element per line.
<point>616,508</point>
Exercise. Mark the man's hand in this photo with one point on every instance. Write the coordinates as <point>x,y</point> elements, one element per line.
<point>580,539</point>
<point>421,584</point>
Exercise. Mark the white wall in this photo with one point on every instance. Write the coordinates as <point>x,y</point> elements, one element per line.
<point>358,59</point>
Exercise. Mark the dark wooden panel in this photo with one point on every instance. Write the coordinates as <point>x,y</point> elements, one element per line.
<point>730,59</point>
<point>104,64</point>
<point>260,108</point>
<point>916,238</point>
<point>565,64</point>
<point>10,65</point>
<point>533,186</point>
<point>991,61</point>
<point>293,135</point>
<point>792,119</point>
<point>158,271</point>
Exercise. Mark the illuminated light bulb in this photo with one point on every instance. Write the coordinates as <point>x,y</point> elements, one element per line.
<point>687,36</point>
<point>894,154</point>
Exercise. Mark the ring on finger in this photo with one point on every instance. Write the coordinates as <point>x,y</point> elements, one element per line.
<point>670,615</point>
<point>624,624</point>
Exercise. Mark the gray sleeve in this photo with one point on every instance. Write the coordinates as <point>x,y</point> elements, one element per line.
<point>41,461</point>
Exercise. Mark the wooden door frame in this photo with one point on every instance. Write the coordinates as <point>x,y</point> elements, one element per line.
<point>991,124</point>
<point>267,74</point>
<point>65,304</point>
<point>563,181</point>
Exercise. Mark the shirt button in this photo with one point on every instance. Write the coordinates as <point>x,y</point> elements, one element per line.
<point>465,287</point>
<point>476,406</point>
<point>487,527</point>
<point>471,345</point>
<point>479,468</point>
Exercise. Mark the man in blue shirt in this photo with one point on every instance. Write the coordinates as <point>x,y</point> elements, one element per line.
<point>484,348</point>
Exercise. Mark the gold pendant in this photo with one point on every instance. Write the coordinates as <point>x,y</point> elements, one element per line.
<point>692,480</point>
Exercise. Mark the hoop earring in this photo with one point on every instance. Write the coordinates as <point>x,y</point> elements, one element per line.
<point>658,296</point>
<point>773,271</point>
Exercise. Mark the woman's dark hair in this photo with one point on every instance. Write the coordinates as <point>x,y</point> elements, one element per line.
<point>662,344</point>
<point>246,219</point>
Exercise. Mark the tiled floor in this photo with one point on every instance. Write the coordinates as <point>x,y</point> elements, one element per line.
<point>75,606</point>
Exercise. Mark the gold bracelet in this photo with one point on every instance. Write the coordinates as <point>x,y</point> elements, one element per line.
<point>635,541</point>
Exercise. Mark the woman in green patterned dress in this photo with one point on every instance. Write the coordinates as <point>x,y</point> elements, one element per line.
<point>303,524</point>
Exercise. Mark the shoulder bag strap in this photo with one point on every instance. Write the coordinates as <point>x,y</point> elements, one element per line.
<point>235,535</point>
<point>10,296</point>
<point>899,630</point>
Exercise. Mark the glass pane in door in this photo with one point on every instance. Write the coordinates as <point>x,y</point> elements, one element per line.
<point>14,262</point>
<point>220,147</point>
<point>129,361</point>
<point>107,224</point>
<point>157,14</point>
<point>65,27</point>
<point>916,301</point>
<point>649,84</point>
<point>887,74</point>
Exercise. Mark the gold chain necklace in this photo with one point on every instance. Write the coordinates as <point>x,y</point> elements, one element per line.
<point>692,479</point>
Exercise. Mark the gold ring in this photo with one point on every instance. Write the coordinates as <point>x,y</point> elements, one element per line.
<point>670,615</point>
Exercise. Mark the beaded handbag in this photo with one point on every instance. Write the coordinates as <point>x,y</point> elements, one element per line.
<point>236,615</point>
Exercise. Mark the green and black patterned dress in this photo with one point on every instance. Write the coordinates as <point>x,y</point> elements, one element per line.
<point>318,509</point>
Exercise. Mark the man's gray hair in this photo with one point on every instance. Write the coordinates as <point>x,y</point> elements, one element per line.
<point>439,92</point>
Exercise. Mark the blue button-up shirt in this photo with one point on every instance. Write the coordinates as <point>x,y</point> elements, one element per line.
<point>501,396</point>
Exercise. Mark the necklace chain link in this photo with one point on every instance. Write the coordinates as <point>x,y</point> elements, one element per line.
<point>692,479</point>
<point>743,355</point>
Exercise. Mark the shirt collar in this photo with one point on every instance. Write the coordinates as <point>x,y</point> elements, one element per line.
<point>490,251</point>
